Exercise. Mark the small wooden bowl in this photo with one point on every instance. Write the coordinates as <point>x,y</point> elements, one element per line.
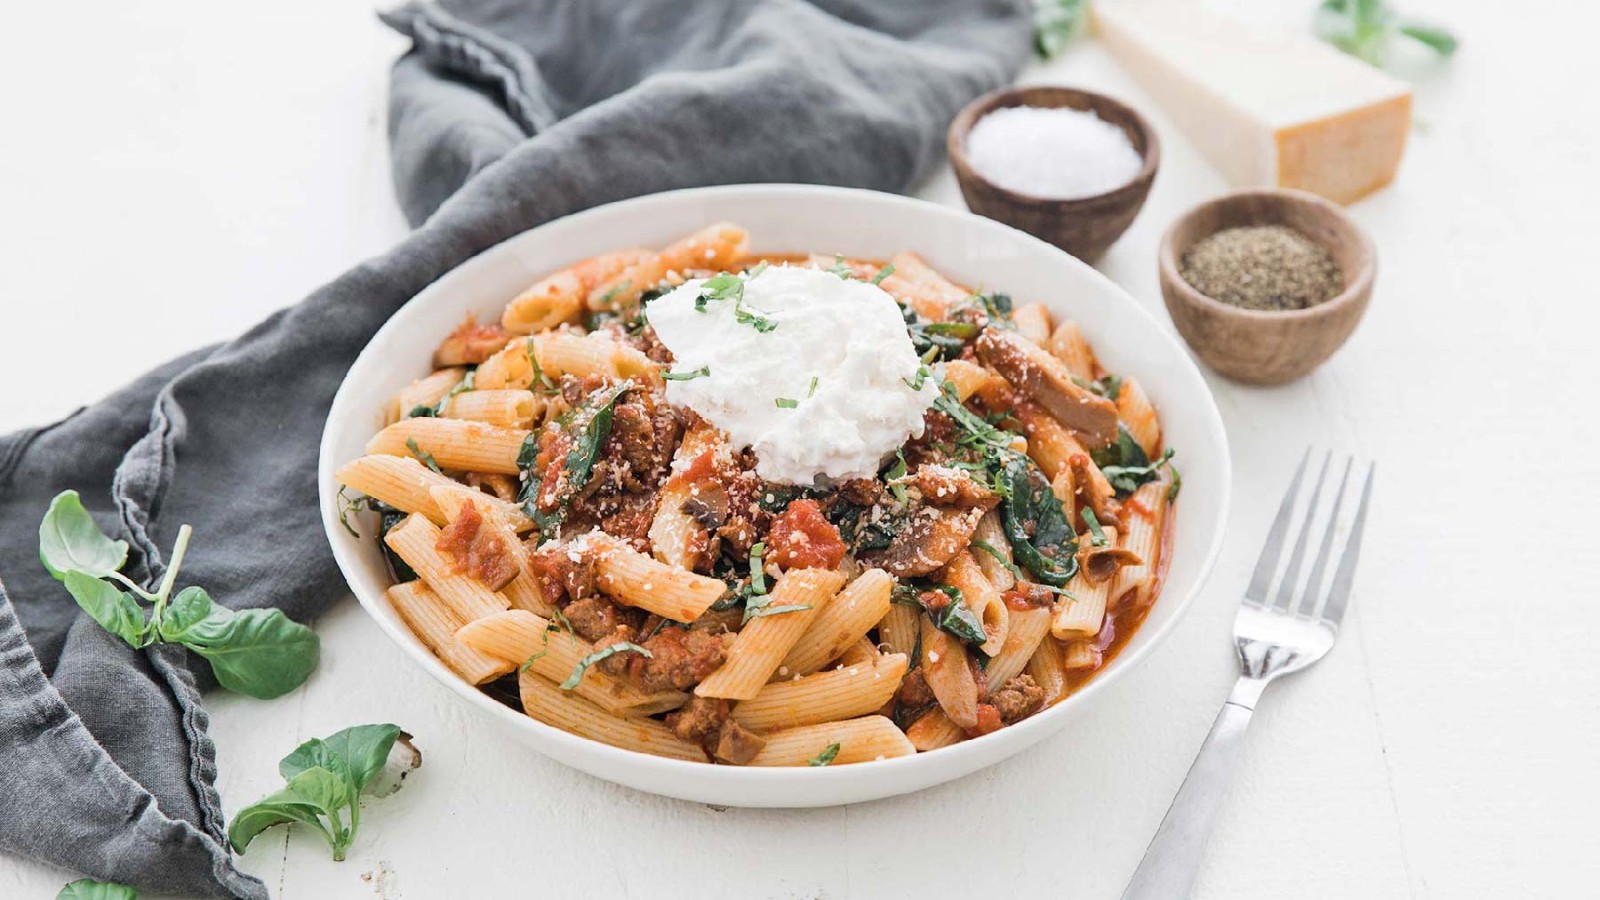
<point>1085,226</point>
<point>1268,347</point>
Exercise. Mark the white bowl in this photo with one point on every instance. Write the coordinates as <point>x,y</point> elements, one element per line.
<point>797,218</point>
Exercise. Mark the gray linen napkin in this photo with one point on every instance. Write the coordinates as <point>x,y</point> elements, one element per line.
<point>503,116</point>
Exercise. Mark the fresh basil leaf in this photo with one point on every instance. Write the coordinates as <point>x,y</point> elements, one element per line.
<point>702,372</point>
<point>89,889</point>
<point>883,273</point>
<point>261,653</point>
<point>191,607</point>
<point>421,411</point>
<point>1001,558</point>
<point>1042,539</point>
<point>528,453</point>
<point>828,755</point>
<point>116,611</point>
<point>70,541</point>
<point>603,653</point>
<point>283,807</point>
<point>963,330</point>
<point>359,752</point>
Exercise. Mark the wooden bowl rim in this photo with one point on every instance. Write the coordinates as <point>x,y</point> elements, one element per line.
<point>1131,191</point>
<point>1357,285</point>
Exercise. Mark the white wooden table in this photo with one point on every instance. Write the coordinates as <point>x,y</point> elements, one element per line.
<point>169,181</point>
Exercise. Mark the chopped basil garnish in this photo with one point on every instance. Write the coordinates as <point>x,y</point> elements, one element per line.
<point>603,653</point>
<point>883,273</point>
<point>812,391</point>
<point>786,403</point>
<point>827,755</point>
<point>423,455</point>
<point>702,372</point>
<point>1098,535</point>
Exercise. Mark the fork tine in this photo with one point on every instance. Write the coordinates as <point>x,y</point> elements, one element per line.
<point>1325,552</point>
<point>1268,563</point>
<point>1291,575</point>
<point>1345,576</point>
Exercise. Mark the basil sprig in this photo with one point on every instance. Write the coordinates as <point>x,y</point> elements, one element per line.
<point>325,778</point>
<point>828,754</point>
<point>258,652</point>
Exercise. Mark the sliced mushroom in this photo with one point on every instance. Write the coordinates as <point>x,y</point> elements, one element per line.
<point>932,538</point>
<point>1048,380</point>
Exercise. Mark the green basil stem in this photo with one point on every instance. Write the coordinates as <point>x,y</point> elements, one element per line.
<point>179,548</point>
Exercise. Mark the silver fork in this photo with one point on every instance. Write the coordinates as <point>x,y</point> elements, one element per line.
<point>1274,637</point>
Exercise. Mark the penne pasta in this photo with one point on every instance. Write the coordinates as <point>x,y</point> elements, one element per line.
<point>1083,611</point>
<point>674,534</point>
<point>860,740</point>
<point>862,651</point>
<point>915,283</point>
<point>571,713</point>
<point>508,408</point>
<point>425,392</point>
<point>1139,417</point>
<point>406,484</point>
<point>523,639</point>
<point>1029,627</point>
<point>966,377</point>
<point>932,730</point>
<point>992,550</point>
<point>435,624</point>
<point>824,696</point>
<point>900,629</point>
<point>1046,668</point>
<point>964,574</point>
<point>1080,655</point>
<point>1033,322</point>
<point>1144,516</point>
<point>844,621</point>
<point>523,591</point>
<point>1067,344</point>
<point>760,646</point>
<point>416,541</point>
<point>945,665</point>
<point>559,299</point>
<point>638,580</point>
<point>714,248</point>
<point>453,444</point>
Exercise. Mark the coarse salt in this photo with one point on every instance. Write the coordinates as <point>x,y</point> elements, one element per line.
<point>1060,154</point>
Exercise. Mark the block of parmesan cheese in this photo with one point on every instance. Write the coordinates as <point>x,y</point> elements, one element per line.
<point>1266,107</point>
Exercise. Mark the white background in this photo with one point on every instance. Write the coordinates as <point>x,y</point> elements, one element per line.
<point>173,172</point>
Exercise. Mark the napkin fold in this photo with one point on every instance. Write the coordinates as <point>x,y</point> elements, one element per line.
<point>502,116</point>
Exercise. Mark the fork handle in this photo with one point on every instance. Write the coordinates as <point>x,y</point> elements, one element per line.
<point>1173,857</point>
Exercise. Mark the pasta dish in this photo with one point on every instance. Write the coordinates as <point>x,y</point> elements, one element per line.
<point>769,509</point>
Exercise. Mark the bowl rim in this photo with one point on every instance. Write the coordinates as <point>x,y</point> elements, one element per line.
<point>1022,734</point>
<point>1354,289</point>
<point>1128,192</point>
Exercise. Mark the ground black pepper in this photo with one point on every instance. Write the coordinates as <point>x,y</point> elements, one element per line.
<point>1265,267</point>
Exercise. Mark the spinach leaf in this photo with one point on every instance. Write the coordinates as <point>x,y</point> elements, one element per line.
<point>89,889</point>
<point>69,540</point>
<point>1042,539</point>
<point>261,653</point>
<point>114,610</point>
<point>324,781</point>
<point>828,755</point>
<point>1126,465</point>
<point>955,617</point>
<point>590,425</point>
